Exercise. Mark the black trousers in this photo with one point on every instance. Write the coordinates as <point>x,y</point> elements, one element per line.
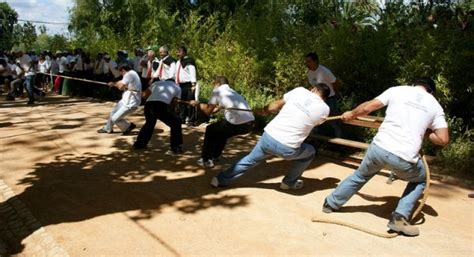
<point>156,110</point>
<point>186,111</point>
<point>217,134</point>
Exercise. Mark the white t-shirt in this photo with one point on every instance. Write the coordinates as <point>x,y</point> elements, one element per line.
<point>226,97</point>
<point>164,91</point>
<point>26,65</point>
<point>43,66</point>
<point>62,62</point>
<point>411,110</point>
<point>132,96</point>
<point>322,75</point>
<point>17,72</point>
<point>303,110</point>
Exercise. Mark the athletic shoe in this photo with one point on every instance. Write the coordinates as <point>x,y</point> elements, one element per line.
<point>174,151</point>
<point>104,131</point>
<point>399,224</point>
<point>327,208</point>
<point>215,182</point>
<point>205,164</point>
<point>298,185</point>
<point>130,128</point>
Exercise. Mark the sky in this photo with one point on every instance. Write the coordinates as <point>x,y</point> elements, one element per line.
<point>43,10</point>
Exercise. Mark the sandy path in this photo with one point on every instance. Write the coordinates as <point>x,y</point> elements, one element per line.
<point>95,196</point>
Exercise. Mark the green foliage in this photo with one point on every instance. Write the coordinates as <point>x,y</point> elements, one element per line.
<point>8,19</point>
<point>260,46</point>
<point>24,36</point>
<point>458,156</point>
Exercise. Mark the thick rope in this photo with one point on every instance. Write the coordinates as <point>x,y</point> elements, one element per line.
<point>426,190</point>
<point>350,225</point>
<point>74,78</point>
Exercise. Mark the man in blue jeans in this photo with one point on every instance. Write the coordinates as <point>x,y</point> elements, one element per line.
<point>411,111</point>
<point>299,111</point>
<point>26,64</point>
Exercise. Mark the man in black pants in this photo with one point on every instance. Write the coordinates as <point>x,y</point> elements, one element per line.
<point>186,79</point>
<point>158,106</point>
<point>235,122</point>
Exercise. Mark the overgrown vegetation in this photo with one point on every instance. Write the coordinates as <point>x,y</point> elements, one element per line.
<point>259,46</point>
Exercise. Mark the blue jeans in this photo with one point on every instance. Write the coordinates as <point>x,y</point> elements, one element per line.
<point>375,159</point>
<point>117,117</point>
<point>30,83</point>
<point>265,148</point>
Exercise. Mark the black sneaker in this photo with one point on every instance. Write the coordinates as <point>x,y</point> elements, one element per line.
<point>327,208</point>
<point>138,147</point>
<point>399,224</point>
<point>130,128</point>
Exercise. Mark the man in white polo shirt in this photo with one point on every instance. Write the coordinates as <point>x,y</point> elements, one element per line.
<point>235,122</point>
<point>318,73</point>
<point>159,106</point>
<point>299,111</point>
<point>411,111</point>
<point>131,97</point>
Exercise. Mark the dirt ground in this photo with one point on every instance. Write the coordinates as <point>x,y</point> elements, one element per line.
<point>95,196</point>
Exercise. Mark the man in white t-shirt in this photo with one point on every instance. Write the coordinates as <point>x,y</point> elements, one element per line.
<point>411,114</point>
<point>26,64</point>
<point>159,106</point>
<point>299,111</point>
<point>131,97</point>
<point>235,122</point>
<point>318,73</point>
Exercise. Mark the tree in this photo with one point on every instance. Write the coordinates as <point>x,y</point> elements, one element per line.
<point>8,19</point>
<point>25,35</point>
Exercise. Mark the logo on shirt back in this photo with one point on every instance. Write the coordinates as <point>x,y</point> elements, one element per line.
<point>418,104</point>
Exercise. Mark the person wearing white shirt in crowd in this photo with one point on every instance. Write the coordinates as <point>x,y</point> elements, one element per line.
<point>136,60</point>
<point>167,66</point>
<point>98,67</point>
<point>144,70</point>
<point>109,67</point>
<point>152,67</point>
<point>412,113</point>
<point>18,76</point>
<point>235,122</point>
<point>131,97</point>
<point>62,69</point>
<point>26,65</point>
<point>298,112</point>
<point>43,67</point>
<point>318,73</point>
<point>161,96</point>
<point>186,79</point>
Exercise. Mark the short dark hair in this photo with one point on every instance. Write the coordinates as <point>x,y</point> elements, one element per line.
<point>221,80</point>
<point>124,66</point>
<point>427,83</point>
<point>323,90</point>
<point>183,48</point>
<point>314,56</point>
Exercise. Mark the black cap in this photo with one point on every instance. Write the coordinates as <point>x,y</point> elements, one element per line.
<point>427,82</point>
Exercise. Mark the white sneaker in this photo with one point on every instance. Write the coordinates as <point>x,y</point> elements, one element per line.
<point>205,164</point>
<point>298,185</point>
<point>215,182</point>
